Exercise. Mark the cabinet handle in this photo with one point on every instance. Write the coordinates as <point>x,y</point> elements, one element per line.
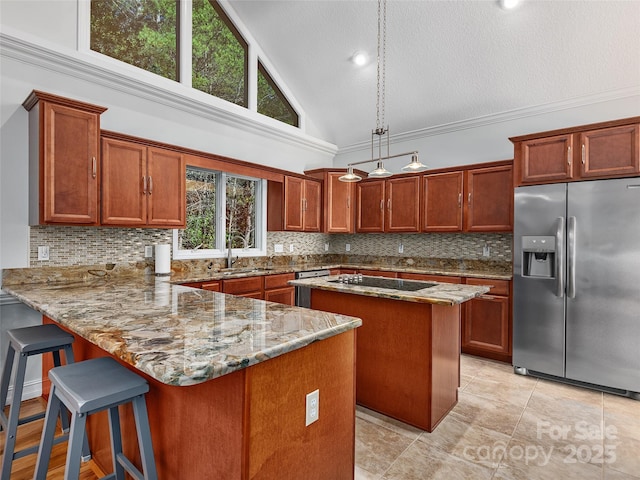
<point>381,204</point>
<point>459,199</point>
<point>469,198</point>
<point>348,202</point>
<point>569,155</point>
<point>583,154</point>
<point>144,185</point>
<point>94,167</point>
<point>150,184</point>
<point>389,204</point>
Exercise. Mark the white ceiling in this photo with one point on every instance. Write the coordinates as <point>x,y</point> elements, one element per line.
<point>447,61</point>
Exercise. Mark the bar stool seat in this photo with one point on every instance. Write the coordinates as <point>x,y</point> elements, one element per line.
<point>89,387</point>
<point>24,343</point>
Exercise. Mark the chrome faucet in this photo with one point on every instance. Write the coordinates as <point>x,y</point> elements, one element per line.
<point>230,260</point>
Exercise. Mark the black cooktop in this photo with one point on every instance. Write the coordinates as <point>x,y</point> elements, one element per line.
<point>392,283</point>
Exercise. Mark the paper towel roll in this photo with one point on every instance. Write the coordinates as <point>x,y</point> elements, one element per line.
<point>163,259</point>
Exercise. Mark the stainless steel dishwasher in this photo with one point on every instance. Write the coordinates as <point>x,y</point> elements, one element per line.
<point>303,294</point>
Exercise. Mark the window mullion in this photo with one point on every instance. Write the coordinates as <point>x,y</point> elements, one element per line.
<point>221,208</point>
<point>185,38</point>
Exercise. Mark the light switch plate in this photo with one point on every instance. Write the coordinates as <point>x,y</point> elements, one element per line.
<point>43,253</point>
<point>278,248</point>
<point>148,251</point>
<point>291,247</point>
<point>347,247</point>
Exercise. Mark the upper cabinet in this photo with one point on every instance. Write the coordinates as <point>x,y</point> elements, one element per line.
<point>473,200</point>
<point>602,150</point>
<point>391,205</point>
<point>142,185</point>
<point>64,170</point>
<point>338,201</point>
<point>302,204</point>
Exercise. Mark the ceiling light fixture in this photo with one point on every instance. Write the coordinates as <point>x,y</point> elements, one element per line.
<point>380,131</point>
<point>359,58</point>
<point>508,4</point>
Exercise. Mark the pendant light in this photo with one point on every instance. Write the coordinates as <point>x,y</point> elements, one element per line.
<point>381,132</point>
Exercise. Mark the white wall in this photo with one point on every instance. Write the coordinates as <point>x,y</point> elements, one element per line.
<point>487,139</point>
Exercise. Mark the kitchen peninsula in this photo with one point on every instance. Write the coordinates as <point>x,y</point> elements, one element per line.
<point>408,347</point>
<point>228,375</point>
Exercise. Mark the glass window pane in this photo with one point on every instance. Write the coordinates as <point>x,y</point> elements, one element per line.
<point>200,233</point>
<point>138,32</point>
<point>219,54</point>
<point>241,212</point>
<point>271,101</point>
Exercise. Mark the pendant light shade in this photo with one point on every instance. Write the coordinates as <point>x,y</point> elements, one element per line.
<point>350,176</point>
<point>415,165</point>
<point>380,171</point>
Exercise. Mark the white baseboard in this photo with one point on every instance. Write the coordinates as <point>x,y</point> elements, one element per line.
<point>32,389</point>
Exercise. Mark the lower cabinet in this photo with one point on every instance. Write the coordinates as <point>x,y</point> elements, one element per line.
<point>250,287</point>
<point>278,290</point>
<point>486,321</point>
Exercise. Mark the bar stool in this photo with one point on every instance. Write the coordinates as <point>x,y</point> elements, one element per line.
<point>89,387</point>
<point>24,343</point>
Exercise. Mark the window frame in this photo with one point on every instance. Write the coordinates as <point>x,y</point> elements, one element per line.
<point>260,250</point>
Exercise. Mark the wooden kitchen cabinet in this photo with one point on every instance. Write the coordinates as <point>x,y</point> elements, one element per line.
<point>403,204</point>
<point>429,278</point>
<point>370,196</point>
<point>378,273</point>
<point>585,152</point>
<point>473,200</point>
<point>142,185</point>
<point>391,205</point>
<point>64,176</point>
<point>442,194</point>
<point>489,199</point>
<point>302,204</point>
<point>251,287</point>
<point>277,288</point>
<point>338,201</point>
<point>486,321</point>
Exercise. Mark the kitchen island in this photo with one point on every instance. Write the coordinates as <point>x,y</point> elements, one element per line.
<point>228,375</point>
<point>408,347</point>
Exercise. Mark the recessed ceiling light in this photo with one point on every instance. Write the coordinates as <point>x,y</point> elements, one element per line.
<point>508,4</point>
<point>359,58</point>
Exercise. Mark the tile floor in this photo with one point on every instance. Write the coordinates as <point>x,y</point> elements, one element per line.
<point>506,426</point>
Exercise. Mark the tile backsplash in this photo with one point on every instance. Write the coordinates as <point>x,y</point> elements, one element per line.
<point>94,245</point>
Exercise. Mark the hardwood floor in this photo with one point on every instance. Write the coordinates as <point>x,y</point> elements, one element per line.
<point>29,434</point>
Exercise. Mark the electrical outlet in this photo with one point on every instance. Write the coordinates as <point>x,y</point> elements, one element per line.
<point>291,247</point>
<point>326,247</point>
<point>486,251</point>
<point>278,248</point>
<point>43,253</point>
<point>313,407</point>
<point>148,251</point>
<point>400,248</point>
<point>347,247</point>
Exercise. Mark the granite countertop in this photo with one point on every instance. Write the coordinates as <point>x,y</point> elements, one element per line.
<point>176,334</point>
<point>440,293</point>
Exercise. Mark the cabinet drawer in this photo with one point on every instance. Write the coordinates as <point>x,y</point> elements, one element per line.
<point>286,295</point>
<point>378,273</point>
<point>212,286</point>
<point>192,284</point>
<point>498,287</point>
<point>430,278</point>
<point>238,286</point>
<point>277,281</point>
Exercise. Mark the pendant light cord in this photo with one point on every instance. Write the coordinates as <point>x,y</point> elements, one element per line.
<point>382,67</point>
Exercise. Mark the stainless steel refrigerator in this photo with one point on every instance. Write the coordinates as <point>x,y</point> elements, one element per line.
<point>576,290</point>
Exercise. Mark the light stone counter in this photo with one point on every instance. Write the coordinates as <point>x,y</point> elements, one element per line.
<point>178,335</point>
<point>439,294</point>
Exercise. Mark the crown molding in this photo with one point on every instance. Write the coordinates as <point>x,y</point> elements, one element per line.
<point>134,81</point>
<point>501,117</point>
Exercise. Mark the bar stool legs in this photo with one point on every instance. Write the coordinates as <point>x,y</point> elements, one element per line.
<point>89,387</point>
<point>24,343</point>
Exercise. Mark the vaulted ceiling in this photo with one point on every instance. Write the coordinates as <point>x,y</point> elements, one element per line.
<point>447,61</point>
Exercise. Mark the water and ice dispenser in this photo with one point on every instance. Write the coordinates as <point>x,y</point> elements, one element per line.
<point>538,256</point>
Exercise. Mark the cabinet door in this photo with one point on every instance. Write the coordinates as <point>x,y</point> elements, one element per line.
<point>339,210</point>
<point>547,159</point>
<point>442,202</point>
<point>69,175</point>
<point>246,286</point>
<point>166,188</point>
<point>286,295</point>
<point>370,199</point>
<point>124,183</point>
<point>312,206</point>
<point>610,152</point>
<point>403,204</point>
<point>485,325</point>
<point>489,202</point>
<point>293,210</point>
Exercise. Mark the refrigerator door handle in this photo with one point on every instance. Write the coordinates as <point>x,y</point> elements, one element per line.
<point>559,267</point>
<point>571,257</point>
